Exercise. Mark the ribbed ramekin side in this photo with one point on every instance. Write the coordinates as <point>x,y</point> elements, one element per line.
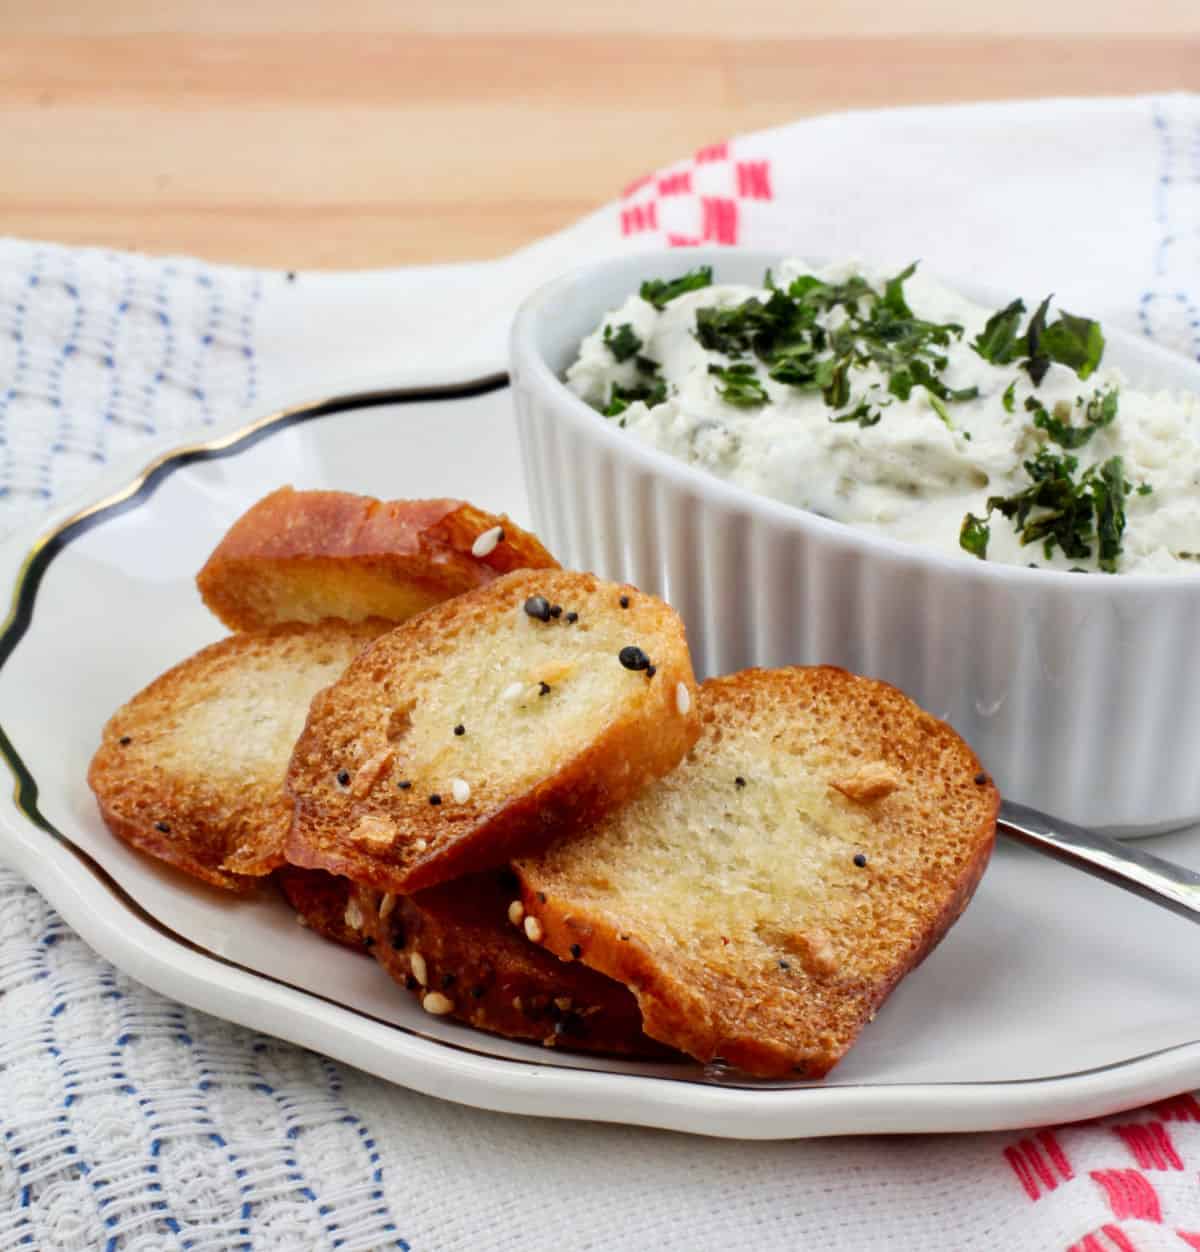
<point>634,522</point>
<point>1115,727</point>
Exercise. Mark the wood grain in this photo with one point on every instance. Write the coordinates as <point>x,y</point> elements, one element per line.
<point>395,138</point>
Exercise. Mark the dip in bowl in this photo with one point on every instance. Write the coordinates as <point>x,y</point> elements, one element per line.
<point>876,522</point>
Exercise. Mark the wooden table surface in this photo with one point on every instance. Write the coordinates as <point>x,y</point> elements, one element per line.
<point>303,133</point>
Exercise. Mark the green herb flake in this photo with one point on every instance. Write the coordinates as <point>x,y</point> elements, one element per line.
<point>741,387</point>
<point>1100,411</point>
<point>1010,397</point>
<point>863,414</point>
<point>1109,489</point>
<point>1144,489</point>
<point>1074,341</point>
<point>999,341</point>
<point>660,292</point>
<point>837,390</point>
<point>893,293</point>
<point>788,335</point>
<point>1060,510</point>
<point>939,407</point>
<point>620,398</point>
<point>729,330</point>
<point>1037,361</point>
<point>900,384</point>
<point>974,535</point>
<point>623,342</point>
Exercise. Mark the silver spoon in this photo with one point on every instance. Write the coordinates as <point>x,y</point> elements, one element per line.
<point>1123,864</point>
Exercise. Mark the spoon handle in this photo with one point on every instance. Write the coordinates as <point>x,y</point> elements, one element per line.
<point>1125,865</point>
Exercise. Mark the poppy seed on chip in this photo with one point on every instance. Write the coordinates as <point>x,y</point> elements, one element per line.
<point>632,657</point>
<point>538,607</point>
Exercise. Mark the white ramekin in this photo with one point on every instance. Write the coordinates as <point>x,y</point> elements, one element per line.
<point>1081,693</point>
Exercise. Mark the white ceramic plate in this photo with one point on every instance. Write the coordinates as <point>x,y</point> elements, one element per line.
<point>1056,997</point>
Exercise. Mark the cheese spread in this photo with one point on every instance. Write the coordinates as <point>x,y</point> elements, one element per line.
<point>894,405</point>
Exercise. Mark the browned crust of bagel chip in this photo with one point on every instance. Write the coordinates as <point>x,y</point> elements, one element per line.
<point>322,902</point>
<point>308,555</point>
<point>760,915</point>
<point>489,976</point>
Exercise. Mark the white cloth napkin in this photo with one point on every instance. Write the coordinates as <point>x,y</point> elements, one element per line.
<point>128,1121</point>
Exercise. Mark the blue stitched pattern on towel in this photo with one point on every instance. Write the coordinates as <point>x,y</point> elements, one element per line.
<point>127,1120</point>
<point>101,350</point>
<point>1168,310</point>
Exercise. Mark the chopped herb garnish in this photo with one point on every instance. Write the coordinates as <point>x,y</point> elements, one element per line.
<point>742,387</point>
<point>660,292</point>
<point>919,374</point>
<point>1059,510</point>
<point>729,330</point>
<point>998,342</point>
<point>796,349</point>
<point>864,415</point>
<point>620,398</point>
<point>1073,341</point>
<point>646,366</point>
<point>1009,399</point>
<point>938,406</point>
<point>974,535</point>
<point>622,342</point>
<point>1144,489</point>
<point>837,390</point>
<point>1100,411</point>
<point>893,293</point>
<point>1039,361</point>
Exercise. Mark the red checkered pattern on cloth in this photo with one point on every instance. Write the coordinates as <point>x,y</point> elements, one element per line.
<point>704,200</point>
<point>1138,1177</point>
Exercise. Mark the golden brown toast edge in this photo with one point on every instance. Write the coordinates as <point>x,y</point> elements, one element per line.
<point>421,546</point>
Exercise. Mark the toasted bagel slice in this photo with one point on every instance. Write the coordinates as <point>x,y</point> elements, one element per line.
<point>323,903</point>
<point>300,556</point>
<point>191,770</point>
<point>457,948</point>
<point>488,724</point>
<point>764,898</point>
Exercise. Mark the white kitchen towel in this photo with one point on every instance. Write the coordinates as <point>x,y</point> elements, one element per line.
<point>132,1122</point>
